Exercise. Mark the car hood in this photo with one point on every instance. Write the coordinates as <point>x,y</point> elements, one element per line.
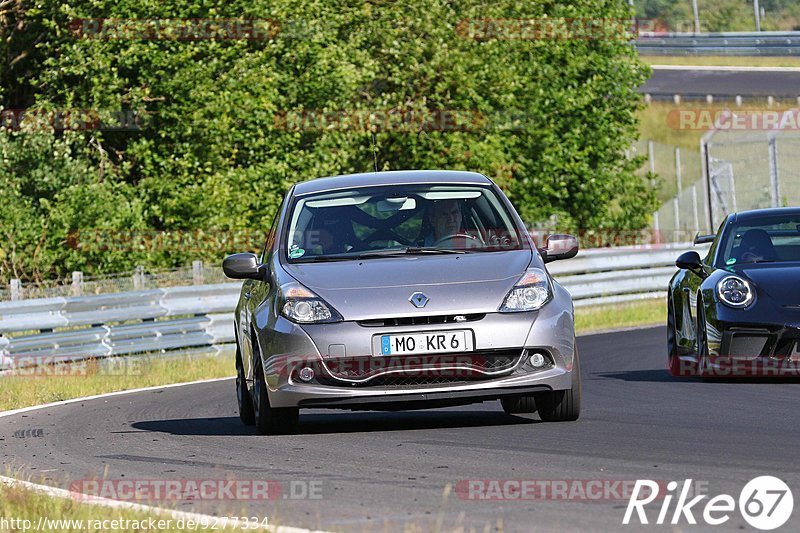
<point>381,288</point>
<point>781,282</point>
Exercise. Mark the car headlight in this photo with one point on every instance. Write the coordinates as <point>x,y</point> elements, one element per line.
<point>530,293</point>
<point>301,305</point>
<point>735,292</point>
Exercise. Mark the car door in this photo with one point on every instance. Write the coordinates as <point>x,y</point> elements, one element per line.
<point>690,286</point>
<point>253,294</point>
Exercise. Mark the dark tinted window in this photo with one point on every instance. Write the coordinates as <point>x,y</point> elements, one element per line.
<point>349,223</point>
<point>768,239</point>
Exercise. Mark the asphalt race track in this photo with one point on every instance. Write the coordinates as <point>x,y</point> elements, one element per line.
<point>699,81</point>
<point>378,471</point>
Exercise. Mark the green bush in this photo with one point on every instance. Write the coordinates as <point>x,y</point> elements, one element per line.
<point>216,146</point>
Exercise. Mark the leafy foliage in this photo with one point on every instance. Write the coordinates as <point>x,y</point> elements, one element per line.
<point>549,119</point>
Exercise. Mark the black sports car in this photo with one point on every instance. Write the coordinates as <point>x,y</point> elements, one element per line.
<point>736,312</point>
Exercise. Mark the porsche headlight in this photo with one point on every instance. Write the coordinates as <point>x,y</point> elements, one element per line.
<point>735,292</point>
<point>301,305</point>
<point>530,293</point>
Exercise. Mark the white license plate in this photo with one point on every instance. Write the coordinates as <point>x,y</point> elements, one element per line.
<point>423,343</point>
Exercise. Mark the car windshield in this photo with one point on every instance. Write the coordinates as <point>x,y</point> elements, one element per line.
<point>399,219</point>
<point>769,239</point>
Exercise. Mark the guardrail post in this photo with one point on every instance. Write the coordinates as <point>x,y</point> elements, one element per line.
<point>656,229</point>
<point>774,186</point>
<point>197,272</point>
<point>138,278</point>
<point>15,288</point>
<point>757,14</point>
<point>679,180</point>
<point>77,283</point>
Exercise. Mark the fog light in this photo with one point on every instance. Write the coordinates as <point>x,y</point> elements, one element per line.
<point>537,360</point>
<point>306,374</point>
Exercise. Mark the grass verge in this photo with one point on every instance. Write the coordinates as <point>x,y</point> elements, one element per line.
<point>24,509</point>
<point>63,382</point>
<point>599,318</point>
<point>723,61</point>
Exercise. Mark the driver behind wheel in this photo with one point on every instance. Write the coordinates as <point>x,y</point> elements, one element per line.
<point>443,218</point>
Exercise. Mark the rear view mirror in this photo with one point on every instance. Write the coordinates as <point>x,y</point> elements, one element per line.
<point>242,266</point>
<point>559,247</point>
<point>396,204</point>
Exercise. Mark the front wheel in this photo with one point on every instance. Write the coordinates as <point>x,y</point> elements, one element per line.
<point>518,404</point>
<point>673,361</point>
<point>703,365</point>
<point>246,413</point>
<point>271,420</point>
<point>562,405</point>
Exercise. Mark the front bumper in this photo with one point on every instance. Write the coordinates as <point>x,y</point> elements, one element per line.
<point>302,395</point>
<point>323,347</point>
<point>753,350</point>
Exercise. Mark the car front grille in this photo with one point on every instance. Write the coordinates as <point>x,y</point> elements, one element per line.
<point>419,369</point>
<point>750,343</point>
<point>420,320</point>
<point>410,381</point>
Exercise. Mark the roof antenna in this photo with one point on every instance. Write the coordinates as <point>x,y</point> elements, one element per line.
<point>374,152</point>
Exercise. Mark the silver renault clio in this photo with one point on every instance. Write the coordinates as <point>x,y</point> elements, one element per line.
<point>402,290</point>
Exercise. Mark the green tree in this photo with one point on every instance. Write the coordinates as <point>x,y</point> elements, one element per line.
<point>549,119</point>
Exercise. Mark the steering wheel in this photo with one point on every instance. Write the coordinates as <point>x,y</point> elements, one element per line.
<point>455,236</point>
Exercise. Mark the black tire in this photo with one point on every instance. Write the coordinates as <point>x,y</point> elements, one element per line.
<point>518,404</point>
<point>701,342</point>
<point>270,420</point>
<point>674,365</point>
<point>562,405</point>
<point>246,412</point>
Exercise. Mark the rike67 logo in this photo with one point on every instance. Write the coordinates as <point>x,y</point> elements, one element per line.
<point>765,503</point>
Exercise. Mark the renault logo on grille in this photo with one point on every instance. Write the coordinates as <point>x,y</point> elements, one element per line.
<point>418,299</point>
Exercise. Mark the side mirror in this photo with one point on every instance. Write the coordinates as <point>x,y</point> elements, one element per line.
<point>242,266</point>
<point>691,261</point>
<point>559,247</point>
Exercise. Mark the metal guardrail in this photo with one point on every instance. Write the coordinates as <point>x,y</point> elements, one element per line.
<point>764,43</point>
<point>611,275</point>
<point>51,330</point>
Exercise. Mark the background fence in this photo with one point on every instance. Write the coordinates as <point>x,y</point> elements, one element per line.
<point>78,285</point>
<point>49,330</point>
<point>679,170</point>
<point>749,170</point>
<point>764,43</point>
<point>740,170</point>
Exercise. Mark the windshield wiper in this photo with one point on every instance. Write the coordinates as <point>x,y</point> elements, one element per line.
<point>326,259</point>
<point>411,250</point>
<point>425,250</point>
